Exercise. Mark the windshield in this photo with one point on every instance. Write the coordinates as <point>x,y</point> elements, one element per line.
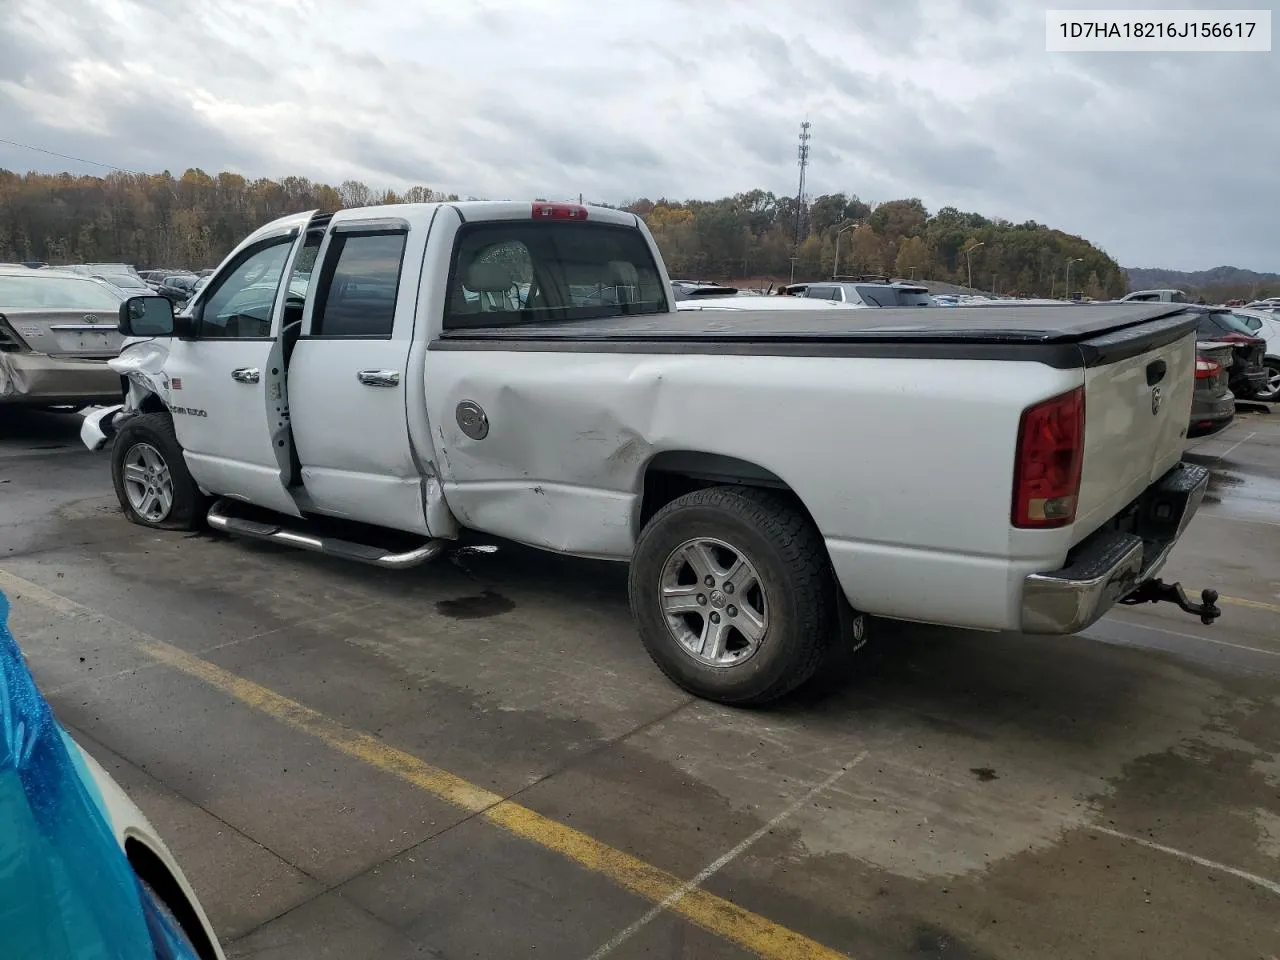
<point>1253,324</point>
<point>877,296</point>
<point>519,272</point>
<point>55,293</point>
<point>1233,323</point>
<point>124,281</point>
<point>909,297</point>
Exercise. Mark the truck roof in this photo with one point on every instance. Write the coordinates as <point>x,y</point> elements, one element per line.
<point>468,210</point>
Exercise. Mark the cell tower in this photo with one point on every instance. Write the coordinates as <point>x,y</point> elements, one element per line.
<point>803,154</point>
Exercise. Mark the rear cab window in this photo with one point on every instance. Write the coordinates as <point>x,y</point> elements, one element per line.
<point>515,272</point>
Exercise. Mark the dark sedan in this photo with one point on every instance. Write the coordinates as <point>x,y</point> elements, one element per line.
<point>1213,405</point>
<point>1248,377</point>
<point>177,288</point>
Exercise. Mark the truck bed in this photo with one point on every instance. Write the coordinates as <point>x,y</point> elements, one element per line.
<point>1063,336</point>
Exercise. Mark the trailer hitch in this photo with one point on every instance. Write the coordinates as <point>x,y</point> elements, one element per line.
<point>1157,591</point>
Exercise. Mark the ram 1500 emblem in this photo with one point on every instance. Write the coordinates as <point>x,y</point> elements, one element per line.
<point>1156,399</point>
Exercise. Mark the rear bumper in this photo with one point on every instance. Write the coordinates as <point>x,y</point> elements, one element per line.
<point>1249,383</point>
<point>1211,414</point>
<point>36,378</point>
<point>1111,563</point>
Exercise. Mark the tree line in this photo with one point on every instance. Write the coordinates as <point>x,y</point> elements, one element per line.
<point>159,220</point>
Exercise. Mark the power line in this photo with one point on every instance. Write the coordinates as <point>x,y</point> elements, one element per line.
<point>63,156</point>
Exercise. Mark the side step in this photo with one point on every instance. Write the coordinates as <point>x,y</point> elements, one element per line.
<point>222,517</point>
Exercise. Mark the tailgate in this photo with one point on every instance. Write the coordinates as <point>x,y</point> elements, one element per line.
<point>1137,411</point>
<point>66,333</point>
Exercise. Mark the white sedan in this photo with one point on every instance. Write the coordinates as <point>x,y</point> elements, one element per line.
<point>1266,325</point>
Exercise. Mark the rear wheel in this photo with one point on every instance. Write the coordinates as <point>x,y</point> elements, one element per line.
<point>151,478</point>
<point>1271,391</point>
<point>734,594</point>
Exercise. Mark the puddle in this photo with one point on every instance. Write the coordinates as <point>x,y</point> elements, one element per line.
<point>1228,484</point>
<point>477,549</point>
<point>477,607</point>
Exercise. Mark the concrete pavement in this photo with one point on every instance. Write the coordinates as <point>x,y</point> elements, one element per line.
<point>954,795</point>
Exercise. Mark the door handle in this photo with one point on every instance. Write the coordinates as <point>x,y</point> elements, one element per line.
<point>1155,372</point>
<point>379,378</point>
<point>245,375</point>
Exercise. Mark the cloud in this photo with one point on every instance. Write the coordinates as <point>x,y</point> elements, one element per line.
<point>1161,159</point>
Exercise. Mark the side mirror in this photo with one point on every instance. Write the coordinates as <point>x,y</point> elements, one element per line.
<point>146,317</point>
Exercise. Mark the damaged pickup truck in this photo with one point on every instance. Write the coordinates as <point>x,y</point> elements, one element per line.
<point>369,383</point>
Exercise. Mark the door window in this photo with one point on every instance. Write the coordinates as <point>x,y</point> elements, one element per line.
<point>359,283</point>
<point>239,307</point>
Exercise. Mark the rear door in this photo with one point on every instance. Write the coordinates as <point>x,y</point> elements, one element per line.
<point>226,382</point>
<point>348,374</point>
<point>1137,412</point>
<point>530,445</point>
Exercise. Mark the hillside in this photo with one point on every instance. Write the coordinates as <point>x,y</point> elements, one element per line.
<point>1218,283</point>
<point>194,220</point>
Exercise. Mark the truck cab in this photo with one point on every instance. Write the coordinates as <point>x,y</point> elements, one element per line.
<point>294,379</point>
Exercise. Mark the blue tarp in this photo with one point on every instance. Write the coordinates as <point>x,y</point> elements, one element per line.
<point>66,888</point>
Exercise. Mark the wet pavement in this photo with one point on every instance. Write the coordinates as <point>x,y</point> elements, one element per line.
<point>477,758</point>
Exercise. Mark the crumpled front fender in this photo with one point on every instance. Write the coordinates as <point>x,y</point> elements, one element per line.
<point>142,362</point>
<point>99,426</point>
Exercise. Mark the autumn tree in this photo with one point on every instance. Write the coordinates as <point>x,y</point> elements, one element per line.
<point>865,254</point>
<point>196,218</point>
<point>913,258</point>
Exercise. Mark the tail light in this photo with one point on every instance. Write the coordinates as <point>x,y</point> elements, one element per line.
<point>558,211</point>
<point>1050,457</point>
<point>1239,338</point>
<point>10,342</point>
<point>1206,369</point>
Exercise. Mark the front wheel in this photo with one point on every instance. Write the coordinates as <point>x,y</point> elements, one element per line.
<point>152,482</point>
<point>734,594</point>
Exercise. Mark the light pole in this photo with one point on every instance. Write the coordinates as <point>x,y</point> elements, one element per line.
<point>1070,261</point>
<point>835,267</point>
<point>969,261</point>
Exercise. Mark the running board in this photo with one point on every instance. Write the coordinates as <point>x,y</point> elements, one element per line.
<point>221,518</point>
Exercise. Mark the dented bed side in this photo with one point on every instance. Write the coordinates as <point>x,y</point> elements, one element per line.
<point>869,445</point>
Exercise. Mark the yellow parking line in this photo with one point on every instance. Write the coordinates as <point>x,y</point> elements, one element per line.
<point>722,917</point>
<point>1253,604</point>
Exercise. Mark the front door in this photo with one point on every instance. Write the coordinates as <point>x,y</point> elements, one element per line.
<point>226,384</point>
<point>348,376</point>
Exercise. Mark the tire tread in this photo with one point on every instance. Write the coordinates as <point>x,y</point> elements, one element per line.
<point>811,581</point>
<point>188,502</point>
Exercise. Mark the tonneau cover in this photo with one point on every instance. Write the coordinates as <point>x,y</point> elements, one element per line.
<point>1042,324</point>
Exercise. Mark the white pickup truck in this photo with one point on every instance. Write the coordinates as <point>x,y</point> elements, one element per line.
<point>369,383</point>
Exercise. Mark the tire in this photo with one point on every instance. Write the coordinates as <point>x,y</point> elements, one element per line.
<point>1271,392</point>
<point>140,438</point>
<point>788,562</point>
<point>167,916</point>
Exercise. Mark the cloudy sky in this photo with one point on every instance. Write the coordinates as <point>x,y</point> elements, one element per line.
<point>1163,160</point>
